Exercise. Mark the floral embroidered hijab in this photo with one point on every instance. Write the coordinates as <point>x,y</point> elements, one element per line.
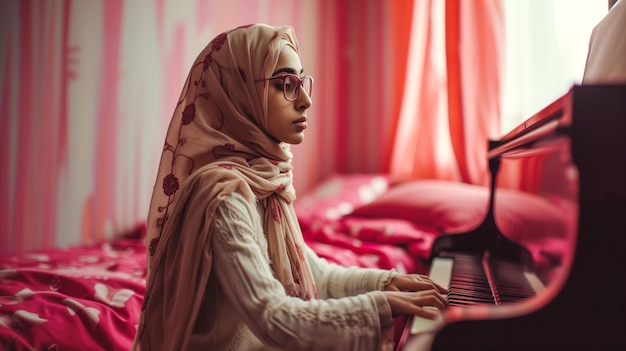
<point>217,143</point>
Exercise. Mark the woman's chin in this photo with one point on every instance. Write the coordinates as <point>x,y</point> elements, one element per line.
<point>296,139</point>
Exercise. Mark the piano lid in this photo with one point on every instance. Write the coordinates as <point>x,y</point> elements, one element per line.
<point>549,121</point>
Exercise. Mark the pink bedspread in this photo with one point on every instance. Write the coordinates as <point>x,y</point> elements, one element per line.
<point>80,298</point>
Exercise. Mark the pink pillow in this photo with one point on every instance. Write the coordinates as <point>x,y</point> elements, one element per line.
<point>442,205</point>
<point>384,230</point>
<point>339,248</point>
<point>454,206</point>
<point>336,196</point>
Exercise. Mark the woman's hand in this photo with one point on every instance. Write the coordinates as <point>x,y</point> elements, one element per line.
<point>425,303</point>
<point>415,294</point>
<point>413,282</point>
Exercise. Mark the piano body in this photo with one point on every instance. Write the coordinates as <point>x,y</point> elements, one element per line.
<point>572,153</point>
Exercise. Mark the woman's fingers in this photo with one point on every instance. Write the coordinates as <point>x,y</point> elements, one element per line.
<point>426,279</point>
<point>430,313</point>
<point>422,303</point>
<point>414,282</point>
<point>427,285</point>
<point>430,298</point>
<point>441,289</point>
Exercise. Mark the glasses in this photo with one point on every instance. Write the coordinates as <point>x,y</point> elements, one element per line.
<point>291,85</point>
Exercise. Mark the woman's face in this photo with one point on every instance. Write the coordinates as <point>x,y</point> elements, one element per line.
<point>287,119</point>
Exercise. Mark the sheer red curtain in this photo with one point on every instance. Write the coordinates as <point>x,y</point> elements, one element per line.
<point>451,97</point>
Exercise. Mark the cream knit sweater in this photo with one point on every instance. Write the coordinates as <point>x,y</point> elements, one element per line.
<point>246,308</point>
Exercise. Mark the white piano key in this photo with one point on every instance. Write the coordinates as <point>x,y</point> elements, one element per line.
<point>440,273</point>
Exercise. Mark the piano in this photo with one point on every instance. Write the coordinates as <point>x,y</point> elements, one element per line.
<point>557,287</point>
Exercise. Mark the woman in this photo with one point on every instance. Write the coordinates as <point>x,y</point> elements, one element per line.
<point>228,267</point>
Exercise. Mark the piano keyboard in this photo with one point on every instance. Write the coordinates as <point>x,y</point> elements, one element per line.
<point>481,279</point>
<point>478,279</point>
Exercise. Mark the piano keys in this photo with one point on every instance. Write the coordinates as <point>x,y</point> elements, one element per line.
<point>560,290</point>
<point>480,279</point>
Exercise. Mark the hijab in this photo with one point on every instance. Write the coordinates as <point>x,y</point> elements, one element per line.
<point>218,142</point>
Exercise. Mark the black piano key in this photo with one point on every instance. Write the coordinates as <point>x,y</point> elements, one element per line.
<point>470,284</point>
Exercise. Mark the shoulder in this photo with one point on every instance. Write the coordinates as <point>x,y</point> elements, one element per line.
<point>236,201</point>
<point>235,207</point>
<point>236,220</point>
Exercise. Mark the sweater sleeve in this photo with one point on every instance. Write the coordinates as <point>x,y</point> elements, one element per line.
<point>334,281</point>
<point>361,322</point>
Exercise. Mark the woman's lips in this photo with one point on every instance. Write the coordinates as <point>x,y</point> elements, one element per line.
<point>300,123</point>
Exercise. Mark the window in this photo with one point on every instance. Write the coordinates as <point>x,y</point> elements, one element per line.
<point>546,50</point>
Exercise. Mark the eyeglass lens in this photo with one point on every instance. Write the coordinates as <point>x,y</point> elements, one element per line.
<point>292,85</point>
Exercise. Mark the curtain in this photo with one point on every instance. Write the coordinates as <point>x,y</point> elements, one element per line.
<point>361,60</point>
<point>450,103</point>
<point>33,88</point>
<point>546,49</point>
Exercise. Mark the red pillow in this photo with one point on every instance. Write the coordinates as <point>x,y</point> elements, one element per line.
<point>454,206</point>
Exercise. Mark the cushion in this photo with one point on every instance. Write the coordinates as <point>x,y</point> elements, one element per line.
<point>338,195</point>
<point>450,206</point>
<point>369,254</point>
<point>384,230</point>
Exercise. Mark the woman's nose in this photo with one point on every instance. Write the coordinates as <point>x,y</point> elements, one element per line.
<point>304,100</point>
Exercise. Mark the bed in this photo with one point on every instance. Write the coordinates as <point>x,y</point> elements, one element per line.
<point>84,297</point>
<point>88,297</point>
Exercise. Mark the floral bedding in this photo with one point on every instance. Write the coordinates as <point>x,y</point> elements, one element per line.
<point>80,298</point>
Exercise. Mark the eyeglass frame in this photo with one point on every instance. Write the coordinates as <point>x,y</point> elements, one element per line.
<point>282,77</point>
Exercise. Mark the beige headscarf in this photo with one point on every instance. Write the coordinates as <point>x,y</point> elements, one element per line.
<point>217,143</point>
